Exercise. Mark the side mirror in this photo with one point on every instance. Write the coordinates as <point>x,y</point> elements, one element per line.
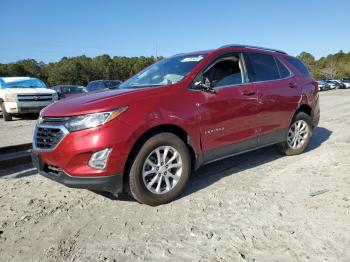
<point>205,85</point>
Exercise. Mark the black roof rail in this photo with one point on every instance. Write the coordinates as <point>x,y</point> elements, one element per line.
<point>254,47</point>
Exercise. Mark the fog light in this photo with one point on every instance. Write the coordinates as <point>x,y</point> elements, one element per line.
<point>99,159</point>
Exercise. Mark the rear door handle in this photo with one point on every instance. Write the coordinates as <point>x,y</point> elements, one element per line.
<point>292,85</point>
<point>248,92</point>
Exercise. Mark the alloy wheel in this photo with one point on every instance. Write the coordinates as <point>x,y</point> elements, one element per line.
<point>162,169</point>
<point>298,134</point>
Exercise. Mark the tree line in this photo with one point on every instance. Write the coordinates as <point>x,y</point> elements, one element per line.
<point>82,69</point>
<point>78,70</point>
<point>334,66</point>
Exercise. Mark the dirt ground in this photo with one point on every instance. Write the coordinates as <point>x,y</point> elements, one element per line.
<point>17,132</point>
<point>259,206</point>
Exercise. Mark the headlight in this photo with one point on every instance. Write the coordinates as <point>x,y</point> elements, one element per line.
<point>55,96</point>
<point>10,97</point>
<point>76,123</point>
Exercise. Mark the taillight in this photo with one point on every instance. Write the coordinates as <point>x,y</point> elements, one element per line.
<point>316,86</point>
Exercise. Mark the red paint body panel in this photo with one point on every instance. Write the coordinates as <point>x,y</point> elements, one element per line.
<point>211,120</point>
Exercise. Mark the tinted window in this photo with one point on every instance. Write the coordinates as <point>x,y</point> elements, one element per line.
<point>261,67</point>
<point>74,89</point>
<point>298,65</point>
<point>283,71</point>
<point>96,85</point>
<point>112,83</point>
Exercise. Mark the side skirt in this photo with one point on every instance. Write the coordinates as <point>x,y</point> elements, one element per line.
<point>259,142</point>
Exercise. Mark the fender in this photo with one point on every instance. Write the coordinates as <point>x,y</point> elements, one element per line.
<point>303,101</point>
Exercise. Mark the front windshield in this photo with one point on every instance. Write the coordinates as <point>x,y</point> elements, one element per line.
<point>28,83</point>
<point>166,72</point>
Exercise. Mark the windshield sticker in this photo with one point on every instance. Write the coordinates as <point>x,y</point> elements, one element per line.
<point>192,59</point>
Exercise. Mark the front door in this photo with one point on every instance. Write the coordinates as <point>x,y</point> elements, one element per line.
<point>229,114</point>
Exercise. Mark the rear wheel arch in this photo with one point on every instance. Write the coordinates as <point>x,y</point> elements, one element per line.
<point>168,128</point>
<point>303,108</point>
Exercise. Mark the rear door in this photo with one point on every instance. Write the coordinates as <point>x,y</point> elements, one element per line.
<point>229,114</point>
<point>278,94</point>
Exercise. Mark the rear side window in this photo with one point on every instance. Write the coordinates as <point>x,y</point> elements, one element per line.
<point>261,67</point>
<point>284,72</point>
<point>298,65</point>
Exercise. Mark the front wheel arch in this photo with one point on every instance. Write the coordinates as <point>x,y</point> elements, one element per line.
<point>166,128</point>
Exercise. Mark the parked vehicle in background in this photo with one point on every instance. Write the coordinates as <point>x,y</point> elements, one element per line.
<point>64,91</point>
<point>323,86</point>
<point>174,116</point>
<point>333,85</point>
<point>21,95</point>
<point>102,84</point>
<point>346,82</point>
<point>339,84</point>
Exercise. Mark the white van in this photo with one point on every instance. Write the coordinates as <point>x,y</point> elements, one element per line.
<point>21,95</point>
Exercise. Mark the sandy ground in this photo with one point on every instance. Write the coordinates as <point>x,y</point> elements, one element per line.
<point>16,132</point>
<point>259,206</point>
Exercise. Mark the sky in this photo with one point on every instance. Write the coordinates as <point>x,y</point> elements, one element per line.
<point>49,30</point>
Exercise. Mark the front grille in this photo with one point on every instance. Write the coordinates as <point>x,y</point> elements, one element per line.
<point>47,137</point>
<point>34,98</point>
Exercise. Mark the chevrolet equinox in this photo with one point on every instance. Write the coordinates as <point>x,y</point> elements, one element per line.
<point>182,112</point>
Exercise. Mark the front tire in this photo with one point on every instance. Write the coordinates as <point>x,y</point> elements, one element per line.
<point>5,115</point>
<point>299,135</point>
<point>160,170</point>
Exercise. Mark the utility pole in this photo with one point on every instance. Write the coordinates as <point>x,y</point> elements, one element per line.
<point>156,49</point>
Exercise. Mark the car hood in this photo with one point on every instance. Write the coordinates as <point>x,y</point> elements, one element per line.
<point>27,90</point>
<point>94,102</point>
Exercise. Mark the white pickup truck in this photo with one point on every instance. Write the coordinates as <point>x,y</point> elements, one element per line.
<point>21,95</point>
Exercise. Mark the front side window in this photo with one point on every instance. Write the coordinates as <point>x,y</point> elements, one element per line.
<point>224,72</point>
<point>165,72</point>
<point>261,67</point>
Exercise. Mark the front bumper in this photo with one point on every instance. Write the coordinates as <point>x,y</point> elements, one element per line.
<point>316,112</point>
<point>112,184</point>
<point>25,107</point>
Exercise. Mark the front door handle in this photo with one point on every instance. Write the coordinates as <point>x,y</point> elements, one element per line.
<point>248,92</point>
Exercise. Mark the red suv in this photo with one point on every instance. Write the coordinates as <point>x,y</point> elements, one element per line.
<point>174,116</point>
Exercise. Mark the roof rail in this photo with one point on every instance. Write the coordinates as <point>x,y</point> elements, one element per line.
<point>253,47</point>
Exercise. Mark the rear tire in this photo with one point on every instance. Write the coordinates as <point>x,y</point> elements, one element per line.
<point>5,115</point>
<point>160,170</point>
<point>299,135</point>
